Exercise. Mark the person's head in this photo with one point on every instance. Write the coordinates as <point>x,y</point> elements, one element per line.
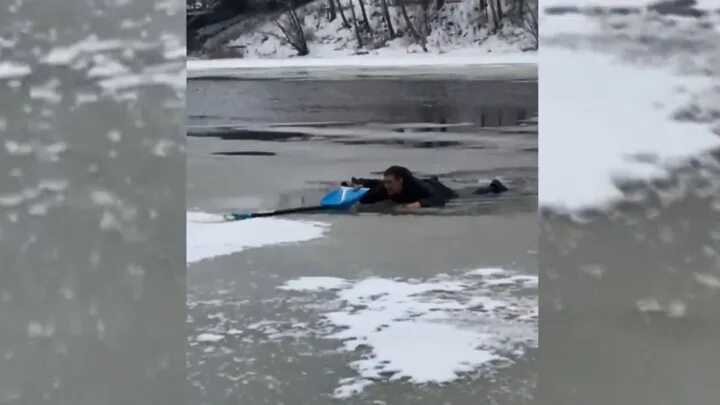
<point>393,179</point>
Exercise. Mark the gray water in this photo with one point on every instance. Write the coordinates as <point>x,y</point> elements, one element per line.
<point>92,277</point>
<point>341,129</point>
<point>630,307</point>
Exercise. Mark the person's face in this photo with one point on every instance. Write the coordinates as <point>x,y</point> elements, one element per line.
<point>392,184</point>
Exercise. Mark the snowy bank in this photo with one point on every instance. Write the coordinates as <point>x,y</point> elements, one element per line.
<point>444,29</point>
<point>508,66</point>
<point>384,59</point>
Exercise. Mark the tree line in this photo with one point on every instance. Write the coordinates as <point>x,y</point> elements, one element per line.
<point>492,13</point>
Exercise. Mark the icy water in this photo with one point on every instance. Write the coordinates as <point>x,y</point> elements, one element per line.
<point>637,290</point>
<point>92,280</point>
<point>630,302</point>
<point>366,308</point>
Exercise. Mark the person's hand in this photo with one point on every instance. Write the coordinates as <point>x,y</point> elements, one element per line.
<point>352,183</point>
<point>413,206</point>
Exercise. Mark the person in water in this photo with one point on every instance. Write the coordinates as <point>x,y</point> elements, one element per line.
<point>401,186</point>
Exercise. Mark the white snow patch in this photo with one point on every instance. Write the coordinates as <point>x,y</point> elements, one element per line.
<point>90,45</point>
<point>527,281</point>
<point>591,128</point>
<point>400,322</point>
<point>487,272</point>
<point>707,5</point>
<point>107,67</point>
<point>708,280</point>
<point>47,92</point>
<point>351,386</point>
<point>596,3</point>
<point>566,23</point>
<point>312,284</point>
<point>389,58</point>
<point>209,240</point>
<point>204,217</point>
<point>209,337</point>
<point>13,70</point>
<point>700,4</point>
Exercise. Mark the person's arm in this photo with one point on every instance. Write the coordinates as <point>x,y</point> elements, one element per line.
<point>423,196</point>
<point>426,202</point>
<point>374,195</point>
<point>368,183</point>
<point>432,201</point>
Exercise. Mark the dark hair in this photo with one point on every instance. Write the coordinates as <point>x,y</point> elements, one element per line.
<point>398,172</point>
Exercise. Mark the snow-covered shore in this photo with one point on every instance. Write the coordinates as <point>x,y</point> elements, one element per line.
<point>458,29</point>
<point>517,65</point>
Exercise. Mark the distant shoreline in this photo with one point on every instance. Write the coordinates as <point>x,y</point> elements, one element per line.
<point>510,66</point>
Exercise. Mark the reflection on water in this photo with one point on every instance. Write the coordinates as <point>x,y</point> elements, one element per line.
<point>91,215</point>
<point>483,103</point>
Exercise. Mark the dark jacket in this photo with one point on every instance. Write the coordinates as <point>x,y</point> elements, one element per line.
<point>428,192</point>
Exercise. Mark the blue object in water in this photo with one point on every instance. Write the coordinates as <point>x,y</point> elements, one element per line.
<point>343,197</point>
<point>237,216</point>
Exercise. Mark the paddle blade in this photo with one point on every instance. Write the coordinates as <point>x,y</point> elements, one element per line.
<point>343,197</point>
<point>236,217</point>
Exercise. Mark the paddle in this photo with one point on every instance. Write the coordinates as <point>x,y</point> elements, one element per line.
<point>338,199</point>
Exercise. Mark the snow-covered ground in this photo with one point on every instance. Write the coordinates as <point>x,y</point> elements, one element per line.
<point>458,29</point>
<point>208,236</point>
<point>386,58</point>
<point>428,331</point>
<point>456,63</point>
<point>701,4</point>
<point>617,105</point>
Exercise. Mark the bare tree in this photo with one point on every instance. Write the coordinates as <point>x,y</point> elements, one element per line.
<point>364,15</point>
<point>332,13</point>
<point>425,17</point>
<point>346,24</point>
<point>483,11</point>
<point>386,16</point>
<point>355,25</point>
<point>520,9</point>
<point>531,23</point>
<point>420,38</point>
<point>494,15</point>
<point>293,31</point>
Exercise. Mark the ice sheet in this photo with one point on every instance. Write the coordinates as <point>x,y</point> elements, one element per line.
<point>431,331</point>
<point>206,240</point>
<point>598,114</point>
